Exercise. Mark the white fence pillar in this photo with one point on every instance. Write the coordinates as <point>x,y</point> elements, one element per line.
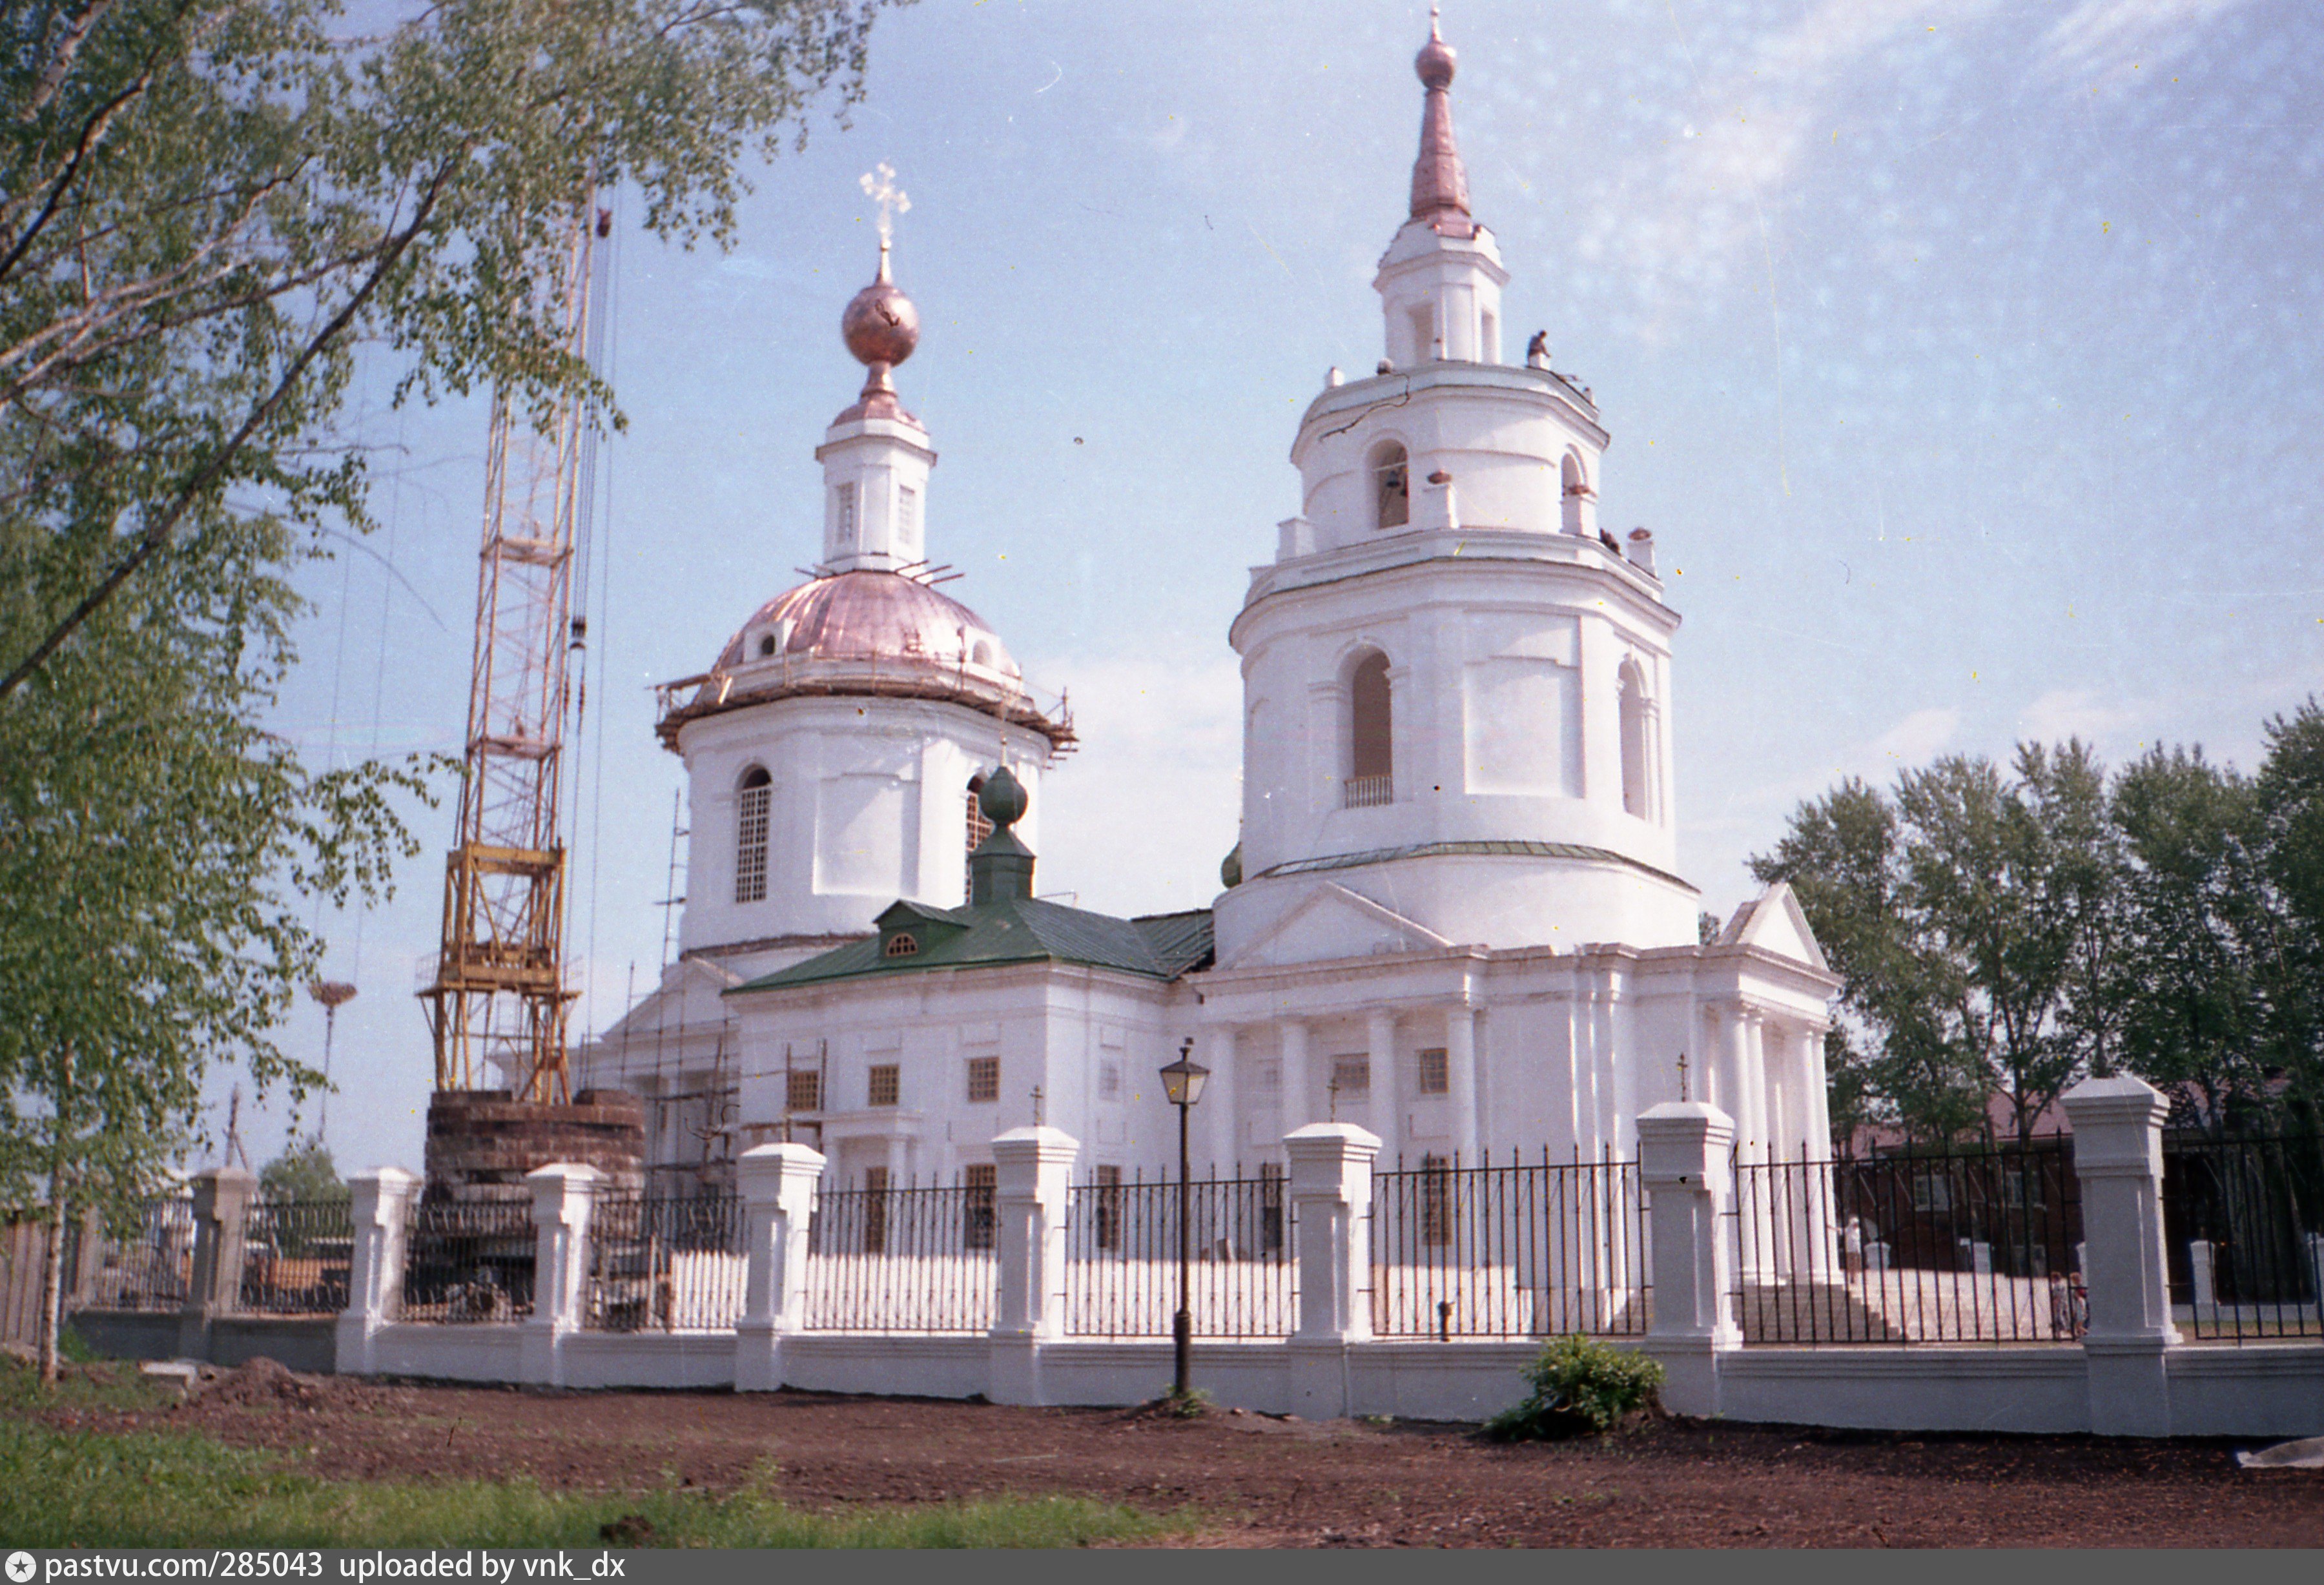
<point>777,1184</point>
<point>381,1211</point>
<point>1684,1151</point>
<point>2117,1126</point>
<point>1032,1168</point>
<point>222,1197</point>
<point>1331,1198</point>
<point>563,1195</point>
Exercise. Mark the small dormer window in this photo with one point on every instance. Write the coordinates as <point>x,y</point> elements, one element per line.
<point>901,945</point>
<point>766,645</point>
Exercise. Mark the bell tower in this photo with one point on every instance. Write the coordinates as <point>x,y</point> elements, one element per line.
<point>1456,685</point>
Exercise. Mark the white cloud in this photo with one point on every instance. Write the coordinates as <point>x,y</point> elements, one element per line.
<point>1137,820</point>
<point>1693,209</point>
<point>2113,43</point>
<point>2064,712</point>
<point>1916,739</point>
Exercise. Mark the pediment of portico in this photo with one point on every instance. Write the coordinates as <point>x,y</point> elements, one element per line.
<point>1331,922</point>
<point>1775,922</point>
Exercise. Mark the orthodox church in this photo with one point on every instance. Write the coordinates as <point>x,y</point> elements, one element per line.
<point>1454,915</point>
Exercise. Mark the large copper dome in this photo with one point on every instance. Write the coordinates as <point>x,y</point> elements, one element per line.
<point>864,634</point>
<point>870,616</point>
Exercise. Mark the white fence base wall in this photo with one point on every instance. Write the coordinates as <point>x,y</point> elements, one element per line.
<point>2269,1390</point>
<point>2032,1389</point>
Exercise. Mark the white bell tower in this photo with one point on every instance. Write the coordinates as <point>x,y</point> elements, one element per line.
<point>1456,685</point>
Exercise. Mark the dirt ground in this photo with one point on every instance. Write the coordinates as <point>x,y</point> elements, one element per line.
<point>1280,1482</point>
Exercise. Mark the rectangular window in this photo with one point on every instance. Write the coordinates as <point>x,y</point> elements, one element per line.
<point>983,1078</point>
<point>1270,1207</point>
<point>803,1089</point>
<point>1109,1208</point>
<point>1109,1081</point>
<point>751,843</point>
<point>978,1181</point>
<point>1435,1200</point>
<point>843,506</point>
<point>875,1211</point>
<point>1436,1072</point>
<point>907,513</point>
<point>1351,1077</point>
<point>1930,1191</point>
<point>886,1088</point>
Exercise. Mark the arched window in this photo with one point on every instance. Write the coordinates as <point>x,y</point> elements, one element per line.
<point>1633,711</point>
<point>750,806</point>
<point>979,828</point>
<point>766,645</point>
<point>1574,495</point>
<point>1371,761</point>
<point>1391,486</point>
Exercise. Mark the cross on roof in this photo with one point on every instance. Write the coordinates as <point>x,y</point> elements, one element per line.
<point>879,187</point>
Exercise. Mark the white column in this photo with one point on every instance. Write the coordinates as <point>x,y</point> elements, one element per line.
<point>1223,1098</point>
<point>1740,1100</point>
<point>1332,1197</point>
<point>1379,1052</point>
<point>1684,1150</point>
<point>1817,1099</point>
<point>1296,1103</point>
<point>777,1184</point>
<point>1032,1168</point>
<point>2118,1125</point>
<point>381,1210</point>
<point>563,1194</point>
<point>1460,1079</point>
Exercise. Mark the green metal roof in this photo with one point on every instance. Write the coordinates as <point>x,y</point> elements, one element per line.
<point>1012,930</point>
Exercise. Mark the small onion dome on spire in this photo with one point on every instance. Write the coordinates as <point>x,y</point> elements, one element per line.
<point>1439,185</point>
<point>881,327</point>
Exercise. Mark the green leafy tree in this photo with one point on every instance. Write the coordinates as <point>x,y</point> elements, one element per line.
<point>1967,917</point>
<point>2288,797</point>
<point>304,1173</point>
<point>2197,953</point>
<point>205,206</point>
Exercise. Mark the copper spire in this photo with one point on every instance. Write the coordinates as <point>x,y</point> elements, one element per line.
<point>1440,187</point>
<point>881,327</point>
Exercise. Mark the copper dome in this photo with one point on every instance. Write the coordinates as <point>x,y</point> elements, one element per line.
<point>869,616</point>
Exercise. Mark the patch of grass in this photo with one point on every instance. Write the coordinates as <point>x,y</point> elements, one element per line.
<point>100,1384</point>
<point>154,1489</point>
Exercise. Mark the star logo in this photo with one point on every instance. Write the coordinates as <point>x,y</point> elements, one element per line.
<point>20,1566</point>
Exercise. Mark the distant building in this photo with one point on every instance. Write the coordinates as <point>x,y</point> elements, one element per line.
<point>1454,915</point>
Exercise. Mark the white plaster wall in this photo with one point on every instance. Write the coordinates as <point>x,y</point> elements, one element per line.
<point>2044,1390</point>
<point>868,804</point>
<point>882,458</point>
<point>1505,685</point>
<point>1051,1025</point>
<point>2270,1389</point>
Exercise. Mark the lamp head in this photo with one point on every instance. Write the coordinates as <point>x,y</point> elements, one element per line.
<point>1182,1081</point>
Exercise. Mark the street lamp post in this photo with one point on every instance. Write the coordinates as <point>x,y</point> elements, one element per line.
<point>1182,1082</point>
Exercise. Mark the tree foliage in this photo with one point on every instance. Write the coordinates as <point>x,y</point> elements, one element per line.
<point>206,206</point>
<point>305,1172</point>
<point>2000,934</point>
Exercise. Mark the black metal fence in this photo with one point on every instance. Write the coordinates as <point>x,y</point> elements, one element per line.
<point>1528,1249</point>
<point>665,1263</point>
<point>902,1260</point>
<point>1911,1246</point>
<point>2243,1228</point>
<point>1121,1258</point>
<point>468,1262</point>
<point>295,1256</point>
<point>147,1267</point>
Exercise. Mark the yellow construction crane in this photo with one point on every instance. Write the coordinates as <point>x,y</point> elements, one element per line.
<point>499,999</point>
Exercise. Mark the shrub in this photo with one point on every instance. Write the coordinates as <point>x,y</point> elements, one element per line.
<point>1579,1384</point>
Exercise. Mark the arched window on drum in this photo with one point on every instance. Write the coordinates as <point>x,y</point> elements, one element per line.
<point>1391,486</point>
<point>754,799</point>
<point>1638,748</point>
<point>1371,735</point>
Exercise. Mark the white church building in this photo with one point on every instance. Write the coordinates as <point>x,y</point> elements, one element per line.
<point>1454,915</point>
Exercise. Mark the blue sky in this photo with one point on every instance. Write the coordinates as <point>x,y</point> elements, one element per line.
<point>1965,359</point>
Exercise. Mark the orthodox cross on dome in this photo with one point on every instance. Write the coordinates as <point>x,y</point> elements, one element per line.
<point>879,187</point>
